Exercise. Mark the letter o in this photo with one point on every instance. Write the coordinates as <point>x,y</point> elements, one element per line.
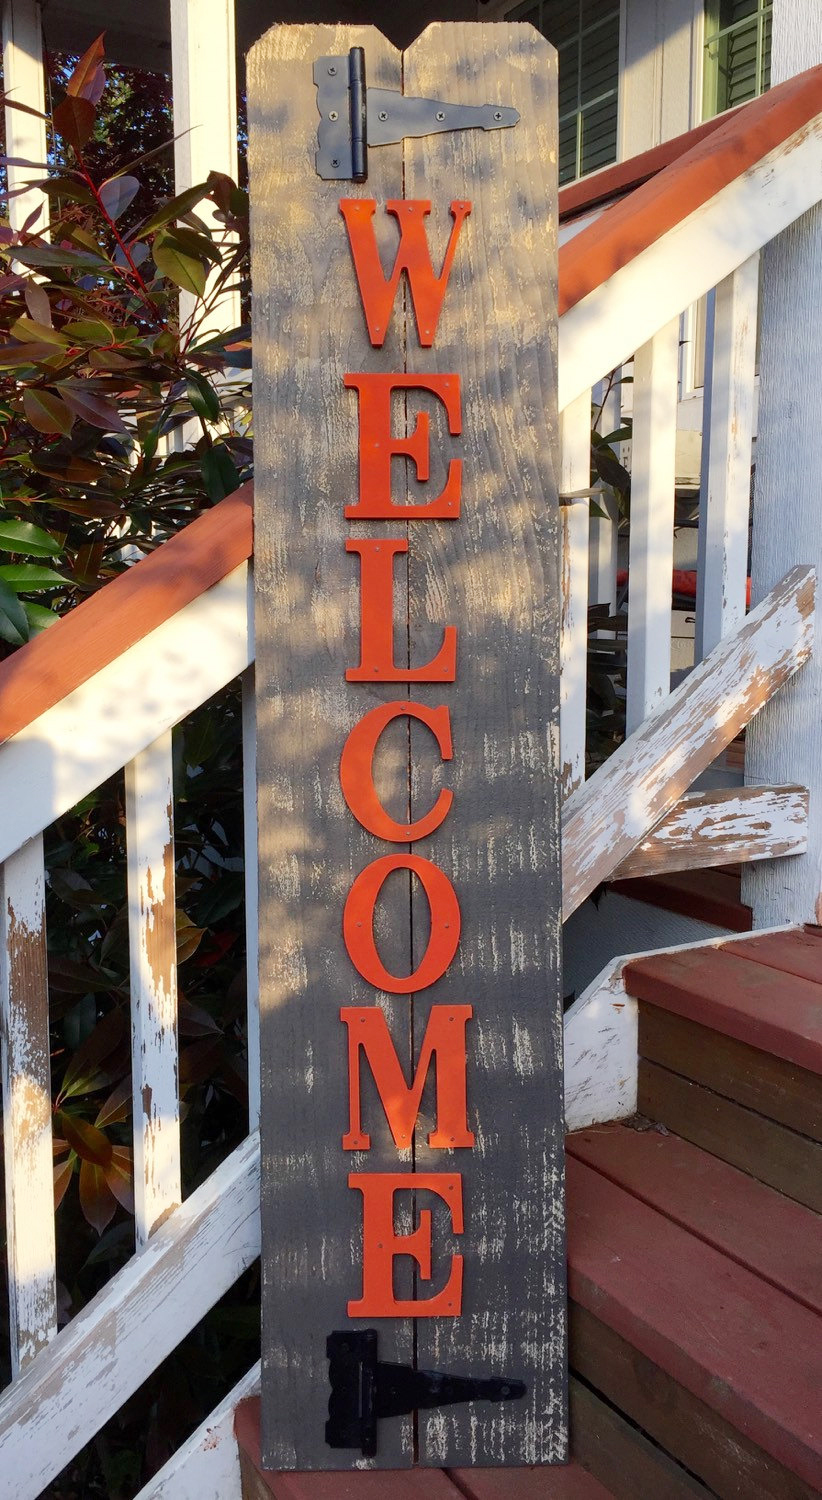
<point>358,924</point>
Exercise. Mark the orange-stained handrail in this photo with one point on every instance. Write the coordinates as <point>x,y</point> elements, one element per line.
<point>660,187</point>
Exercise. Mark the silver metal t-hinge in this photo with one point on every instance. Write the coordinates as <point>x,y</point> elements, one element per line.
<point>354,117</point>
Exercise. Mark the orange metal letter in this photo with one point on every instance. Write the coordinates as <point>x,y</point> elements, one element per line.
<point>377,617</point>
<point>444,1042</point>
<point>378,445</point>
<point>358,924</point>
<point>413,256</point>
<point>357,771</point>
<point>381,1245</point>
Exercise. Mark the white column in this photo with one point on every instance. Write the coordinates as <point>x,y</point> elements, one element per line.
<point>23,80</point>
<point>784,743</point>
<point>204,84</point>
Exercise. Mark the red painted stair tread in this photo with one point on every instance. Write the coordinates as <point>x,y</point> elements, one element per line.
<point>796,952</point>
<point>568,1482</point>
<point>747,1350</point>
<point>767,1008</point>
<point>771,1235</point>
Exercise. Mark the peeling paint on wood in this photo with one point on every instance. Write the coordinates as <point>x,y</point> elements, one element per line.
<point>153,969</point>
<point>92,1366</point>
<point>607,817</point>
<point>732,825</point>
<point>26,1087</point>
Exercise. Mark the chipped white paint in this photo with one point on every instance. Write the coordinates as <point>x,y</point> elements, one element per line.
<point>91,1367</point>
<point>24,1045</point>
<point>605,328</point>
<point>601,1052</point>
<point>738,824</point>
<point>152,937</point>
<point>653,464</point>
<point>575,474</point>
<point>723,570</point>
<point>607,817</point>
<point>69,750</point>
<point>207,1466</point>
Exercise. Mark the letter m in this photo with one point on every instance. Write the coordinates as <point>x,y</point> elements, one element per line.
<point>443,1043</point>
<point>379,292</point>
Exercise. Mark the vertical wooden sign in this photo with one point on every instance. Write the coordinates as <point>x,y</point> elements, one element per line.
<point>407,614</point>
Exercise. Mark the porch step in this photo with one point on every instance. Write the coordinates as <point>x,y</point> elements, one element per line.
<point>730,1045</point>
<point>687,1320</point>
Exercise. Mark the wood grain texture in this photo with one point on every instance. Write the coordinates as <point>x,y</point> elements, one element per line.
<point>26,1093</point>
<point>207,1465</point>
<point>798,950</point>
<point>622,1457</point>
<point>309,332</point>
<point>777,1012</point>
<point>705,829</point>
<point>607,817</point>
<point>718,1453</point>
<point>785,512</point>
<point>757,1079</point>
<point>771,1235</point>
<point>744,1348</point>
<point>495,572</point>
<point>781,1158</point>
<point>152,924</point>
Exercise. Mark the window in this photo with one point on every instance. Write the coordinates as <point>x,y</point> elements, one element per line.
<point>737,52</point>
<point>586,36</point>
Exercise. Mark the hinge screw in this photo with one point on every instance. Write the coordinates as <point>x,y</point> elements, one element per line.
<point>332,72</point>
<point>440,114</point>
<point>497,114</point>
<point>335,161</point>
<point>383,114</point>
<point>332,114</point>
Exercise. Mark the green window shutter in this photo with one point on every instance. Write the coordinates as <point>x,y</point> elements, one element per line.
<point>586,36</point>
<point>737,52</point>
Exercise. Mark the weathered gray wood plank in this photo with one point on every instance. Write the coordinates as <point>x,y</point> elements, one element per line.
<point>495,574</point>
<point>309,333</point>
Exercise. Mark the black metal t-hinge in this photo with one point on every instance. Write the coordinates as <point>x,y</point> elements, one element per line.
<point>354,117</point>
<point>363,1389</point>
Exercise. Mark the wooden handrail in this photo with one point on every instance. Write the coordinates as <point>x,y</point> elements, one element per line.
<point>662,202</point>
<point>698,165</point>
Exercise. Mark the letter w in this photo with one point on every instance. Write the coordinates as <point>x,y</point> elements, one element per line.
<point>444,1043</point>
<point>413,256</point>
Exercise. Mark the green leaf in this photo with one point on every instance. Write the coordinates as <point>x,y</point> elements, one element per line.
<point>175,208</point>
<point>219,473</point>
<point>116,193</point>
<point>74,120</point>
<point>39,617</point>
<point>60,257</point>
<point>13,623</point>
<point>89,331</point>
<point>37,302</point>
<point>25,578</point>
<point>28,331</point>
<point>21,536</point>
<point>46,412</point>
<point>175,262</point>
<point>202,396</point>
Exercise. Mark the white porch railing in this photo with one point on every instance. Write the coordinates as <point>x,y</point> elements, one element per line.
<point>633,815</point>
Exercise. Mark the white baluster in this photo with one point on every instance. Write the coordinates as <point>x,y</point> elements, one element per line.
<point>153,952</point>
<point>24,1042</point>
<point>575,470</point>
<point>653,469</point>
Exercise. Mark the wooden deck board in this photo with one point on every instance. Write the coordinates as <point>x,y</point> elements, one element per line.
<point>798,952</point>
<point>745,1348</point>
<point>765,1007</point>
<point>771,1235</point>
